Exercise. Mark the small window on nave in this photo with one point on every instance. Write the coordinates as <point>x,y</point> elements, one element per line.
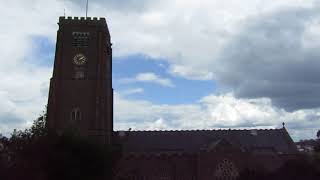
<point>75,114</point>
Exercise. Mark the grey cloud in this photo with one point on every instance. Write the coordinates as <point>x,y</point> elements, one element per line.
<point>8,122</point>
<point>267,59</point>
<point>10,119</point>
<point>125,6</point>
<point>214,112</point>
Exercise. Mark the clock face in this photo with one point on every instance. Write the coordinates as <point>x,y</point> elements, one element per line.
<point>79,59</point>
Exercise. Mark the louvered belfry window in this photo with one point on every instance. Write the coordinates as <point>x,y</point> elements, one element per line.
<point>80,39</point>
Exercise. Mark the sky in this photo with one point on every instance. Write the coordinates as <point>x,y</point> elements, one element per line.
<point>177,64</point>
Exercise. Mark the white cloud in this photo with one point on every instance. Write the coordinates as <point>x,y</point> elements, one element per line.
<point>148,77</point>
<point>159,124</point>
<point>214,112</point>
<point>132,91</point>
<point>23,84</point>
<point>189,35</point>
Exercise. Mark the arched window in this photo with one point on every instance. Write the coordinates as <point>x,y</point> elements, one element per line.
<point>75,114</point>
<point>226,170</point>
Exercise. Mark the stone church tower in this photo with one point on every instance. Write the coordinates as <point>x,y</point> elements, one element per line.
<point>81,94</point>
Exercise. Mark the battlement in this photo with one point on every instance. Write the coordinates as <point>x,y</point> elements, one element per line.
<point>82,20</point>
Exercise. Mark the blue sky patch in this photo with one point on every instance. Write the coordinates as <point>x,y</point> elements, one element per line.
<point>184,91</point>
<point>42,51</point>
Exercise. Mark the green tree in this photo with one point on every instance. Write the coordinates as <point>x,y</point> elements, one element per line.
<point>39,155</point>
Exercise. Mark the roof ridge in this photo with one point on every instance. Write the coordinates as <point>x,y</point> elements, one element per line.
<point>199,130</point>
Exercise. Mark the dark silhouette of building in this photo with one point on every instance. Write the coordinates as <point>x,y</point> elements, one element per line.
<point>81,94</point>
<point>81,100</point>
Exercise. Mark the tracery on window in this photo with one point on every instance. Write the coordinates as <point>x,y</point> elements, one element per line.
<point>226,170</point>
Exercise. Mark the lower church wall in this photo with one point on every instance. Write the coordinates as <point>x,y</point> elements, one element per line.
<point>197,166</point>
<point>157,166</point>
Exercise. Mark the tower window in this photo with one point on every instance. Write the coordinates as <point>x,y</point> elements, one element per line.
<point>76,114</point>
<point>80,39</point>
<point>80,73</point>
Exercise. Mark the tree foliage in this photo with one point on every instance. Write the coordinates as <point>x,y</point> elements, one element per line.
<point>303,167</point>
<point>36,154</point>
<point>317,146</point>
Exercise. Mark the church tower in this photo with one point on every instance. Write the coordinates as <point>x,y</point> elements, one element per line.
<point>81,94</point>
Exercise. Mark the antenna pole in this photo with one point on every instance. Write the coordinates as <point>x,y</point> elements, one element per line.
<point>64,8</point>
<point>87,8</point>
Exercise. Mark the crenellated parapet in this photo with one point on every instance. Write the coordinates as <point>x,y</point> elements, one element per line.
<point>82,21</point>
